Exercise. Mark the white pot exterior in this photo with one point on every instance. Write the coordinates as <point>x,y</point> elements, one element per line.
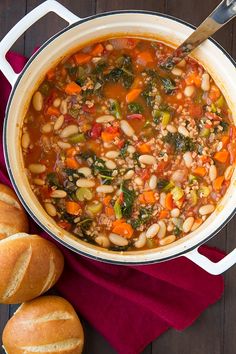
<point>134,23</point>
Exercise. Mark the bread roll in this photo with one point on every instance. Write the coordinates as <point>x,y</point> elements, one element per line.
<point>12,215</point>
<point>46,325</point>
<point>30,266</point>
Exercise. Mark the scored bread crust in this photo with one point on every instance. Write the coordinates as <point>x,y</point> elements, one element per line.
<point>46,325</point>
<point>13,218</point>
<point>30,265</point>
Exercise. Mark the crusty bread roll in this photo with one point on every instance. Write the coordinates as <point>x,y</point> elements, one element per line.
<point>46,325</point>
<point>30,265</point>
<point>12,215</point>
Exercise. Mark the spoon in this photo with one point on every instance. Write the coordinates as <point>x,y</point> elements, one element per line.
<point>222,14</point>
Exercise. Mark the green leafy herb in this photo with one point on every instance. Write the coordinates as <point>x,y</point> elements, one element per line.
<point>128,201</point>
<point>180,142</point>
<point>44,88</point>
<point>115,108</point>
<point>123,73</point>
<point>53,180</point>
<point>168,85</point>
<point>100,67</point>
<point>136,159</point>
<point>164,185</point>
<point>123,150</point>
<point>176,231</point>
<point>224,125</point>
<point>143,217</point>
<point>117,209</point>
<point>135,107</point>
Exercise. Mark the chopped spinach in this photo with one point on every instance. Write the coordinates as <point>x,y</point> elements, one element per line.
<point>162,183</point>
<point>100,67</point>
<point>123,72</point>
<point>135,107</point>
<point>168,85</point>
<point>44,88</point>
<point>224,125</point>
<point>180,142</point>
<point>123,150</point>
<point>143,217</point>
<point>53,180</point>
<point>128,201</point>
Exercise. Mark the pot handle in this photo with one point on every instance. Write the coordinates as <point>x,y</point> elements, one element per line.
<point>209,266</point>
<point>25,23</point>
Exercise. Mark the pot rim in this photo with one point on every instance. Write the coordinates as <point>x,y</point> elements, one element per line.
<point>27,208</point>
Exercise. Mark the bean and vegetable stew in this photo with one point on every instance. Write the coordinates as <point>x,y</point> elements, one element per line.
<point>123,154</point>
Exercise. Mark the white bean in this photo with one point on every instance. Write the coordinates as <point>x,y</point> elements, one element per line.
<point>205,85</point>
<point>69,130</point>
<point>126,128</point>
<point>105,119</point>
<point>39,182</point>
<point>167,240</point>
<point>86,183</point>
<point>163,199</point>
<point>177,71</point>
<point>153,182</point>
<point>212,173</point>
<point>188,223</point>
<point>189,91</point>
<point>47,128</point>
<point>152,231</point>
<point>37,168</point>
<point>178,176</point>
<point>59,122</point>
<point>86,171</point>
<point>105,189</point>
<point>175,213</point>
<point>102,241</point>
<point>188,160</point>
<point>206,209</point>
<point>110,164</point>
<point>57,102</point>
<point>147,159</point>
<point>118,240</point>
<point>129,174</point>
<point>25,141</point>
<point>141,241</point>
<point>138,181</point>
<point>228,173</point>
<point>171,128</point>
<point>63,145</point>
<point>162,229</point>
<point>58,193</point>
<point>112,154</point>
<point>63,107</point>
<point>38,101</point>
<point>50,209</point>
<point>196,224</point>
<point>182,130</point>
<point>131,149</point>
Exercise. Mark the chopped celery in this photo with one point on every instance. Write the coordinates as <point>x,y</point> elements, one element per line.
<point>213,108</point>
<point>194,197</point>
<point>192,178</point>
<point>178,222</point>
<point>205,132</point>
<point>94,207</point>
<point>204,191</point>
<point>83,194</point>
<point>220,102</point>
<point>165,185</point>
<point>117,209</point>
<point>77,138</point>
<point>177,193</point>
<point>161,116</point>
<point>165,119</point>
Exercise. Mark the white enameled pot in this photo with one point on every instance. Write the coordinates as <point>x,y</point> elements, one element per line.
<point>79,32</point>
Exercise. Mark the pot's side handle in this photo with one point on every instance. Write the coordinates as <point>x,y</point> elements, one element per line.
<point>25,23</point>
<point>209,266</point>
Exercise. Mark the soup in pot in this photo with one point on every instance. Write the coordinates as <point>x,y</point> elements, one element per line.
<point>123,154</point>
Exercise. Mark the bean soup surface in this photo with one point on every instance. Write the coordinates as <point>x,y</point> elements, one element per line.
<point>123,154</point>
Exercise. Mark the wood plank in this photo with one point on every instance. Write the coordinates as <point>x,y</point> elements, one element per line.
<point>152,5</point>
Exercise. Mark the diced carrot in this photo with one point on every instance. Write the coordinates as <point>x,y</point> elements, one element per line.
<point>118,222</point>
<point>144,58</point>
<point>225,140</point>
<point>214,93</point>
<point>132,95</point>
<point>199,171</point>
<point>73,208</point>
<point>72,88</point>
<point>109,211</point>
<point>124,230</point>
<point>164,214</point>
<point>217,183</point>
<point>169,203</point>
<point>97,50</point>
<point>205,158</point>
<point>72,163</point>
<point>107,137</point>
<point>53,111</point>
<point>144,148</point>
<point>147,197</point>
<point>106,200</point>
<point>71,152</point>
<point>221,156</point>
<point>193,78</point>
<point>82,58</point>
<point>50,74</point>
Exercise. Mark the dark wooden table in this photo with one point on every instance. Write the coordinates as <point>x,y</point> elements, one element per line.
<point>214,331</point>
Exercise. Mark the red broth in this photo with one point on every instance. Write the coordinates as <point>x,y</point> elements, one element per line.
<point>123,154</point>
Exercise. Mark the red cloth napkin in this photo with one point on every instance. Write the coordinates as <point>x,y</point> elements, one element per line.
<point>129,305</point>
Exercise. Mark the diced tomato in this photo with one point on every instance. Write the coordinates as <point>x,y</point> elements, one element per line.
<point>161,166</point>
<point>121,143</point>
<point>96,131</point>
<point>112,129</point>
<point>135,116</point>
<point>45,192</point>
<point>87,109</point>
<point>63,224</point>
<point>145,174</point>
<point>68,118</point>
